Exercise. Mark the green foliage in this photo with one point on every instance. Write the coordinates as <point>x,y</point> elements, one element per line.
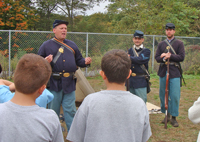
<point>14,62</point>
<point>92,23</point>
<point>94,77</point>
<point>151,16</point>
<point>124,16</point>
<point>5,64</point>
<point>194,69</point>
<point>12,15</point>
<point>44,10</point>
<point>96,62</point>
<point>191,62</point>
<point>186,76</point>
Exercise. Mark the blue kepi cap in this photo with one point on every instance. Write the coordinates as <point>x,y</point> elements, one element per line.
<point>139,34</point>
<point>170,26</point>
<point>58,22</point>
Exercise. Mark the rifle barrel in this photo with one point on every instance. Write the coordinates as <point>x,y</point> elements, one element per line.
<point>166,93</point>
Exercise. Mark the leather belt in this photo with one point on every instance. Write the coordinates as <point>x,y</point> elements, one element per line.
<point>172,63</point>
<point>62,74</point>
<point>138,74</point>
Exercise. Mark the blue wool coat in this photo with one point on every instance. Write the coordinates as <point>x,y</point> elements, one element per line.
<point>136,62</point>
<point>67,62</point>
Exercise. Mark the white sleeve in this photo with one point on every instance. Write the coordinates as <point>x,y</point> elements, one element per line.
<point>193,112</point>
<point>147,129</point>
<point>78,127</point>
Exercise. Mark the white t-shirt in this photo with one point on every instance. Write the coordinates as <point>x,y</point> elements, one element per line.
<point>111,116</point>
<point>28,124</point>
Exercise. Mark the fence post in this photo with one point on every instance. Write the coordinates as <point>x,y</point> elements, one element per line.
<point>86,54</point>
<point>153,54</point>
<point>9,48</point>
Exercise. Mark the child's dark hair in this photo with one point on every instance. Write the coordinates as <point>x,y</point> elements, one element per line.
<point>116,65</point>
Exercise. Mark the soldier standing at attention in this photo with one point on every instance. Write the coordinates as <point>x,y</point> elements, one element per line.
<point>64,56</point>
<point>175,55</point>
<point>139,65</point>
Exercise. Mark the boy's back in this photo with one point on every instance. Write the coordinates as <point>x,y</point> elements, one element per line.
<point>28,124</point>
<point>21,120</point>
<point>112,115</point>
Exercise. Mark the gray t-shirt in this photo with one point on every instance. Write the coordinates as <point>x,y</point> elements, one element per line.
<point>28,124</point>
<point>111,116</point>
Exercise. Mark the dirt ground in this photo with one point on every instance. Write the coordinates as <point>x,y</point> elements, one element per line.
<point>186,132</point>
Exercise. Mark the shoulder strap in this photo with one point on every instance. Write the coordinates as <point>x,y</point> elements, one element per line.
<point>137,53</point>
<point>64,45</point>
<point>170,45</point>
<point>179,65</point>
<point>59,52</point>
<point>142,66</point>
<point>61,49</point>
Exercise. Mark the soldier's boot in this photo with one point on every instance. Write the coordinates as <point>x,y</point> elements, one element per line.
<point>168,118</point>
<point>174,122</point>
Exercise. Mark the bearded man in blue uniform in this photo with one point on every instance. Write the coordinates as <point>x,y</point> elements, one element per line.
<point>139,65</point>
<point>175,55</point>
<point>64,57</point>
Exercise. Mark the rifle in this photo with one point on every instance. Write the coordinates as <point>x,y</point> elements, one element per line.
<point>166,90</point>
<point>178,64</point>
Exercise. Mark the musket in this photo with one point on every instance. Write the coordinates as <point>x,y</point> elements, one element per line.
<point>166,90</point>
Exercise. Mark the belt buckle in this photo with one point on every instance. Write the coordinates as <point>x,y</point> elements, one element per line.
<point>133,74</point>
<point>66,74</point>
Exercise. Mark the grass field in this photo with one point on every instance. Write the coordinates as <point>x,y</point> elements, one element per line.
<point>187,131</point>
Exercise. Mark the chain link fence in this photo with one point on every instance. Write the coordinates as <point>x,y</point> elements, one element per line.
<point>14,44</point>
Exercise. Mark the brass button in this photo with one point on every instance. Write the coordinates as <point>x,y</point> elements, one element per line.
<point>133,67</point>
<point>63,60</point>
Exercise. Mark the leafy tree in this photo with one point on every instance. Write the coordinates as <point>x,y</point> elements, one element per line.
<point>151,16</point>
<point>31,14</point>
<point>196,25</point>
<point>70,8</point>
<point>12,15</point>
<point>98,23</point>
<point>45,10</point>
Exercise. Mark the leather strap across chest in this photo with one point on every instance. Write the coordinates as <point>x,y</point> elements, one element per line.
<point>61,49</point>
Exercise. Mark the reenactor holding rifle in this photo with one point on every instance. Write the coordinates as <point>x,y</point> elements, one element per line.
<point>175,55</point>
